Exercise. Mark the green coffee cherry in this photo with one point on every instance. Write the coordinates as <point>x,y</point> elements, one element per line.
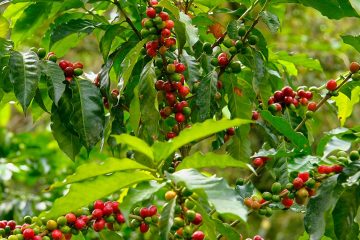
<point>354,155</point>
<point>342,154</point>
<point>207,48</point>
<point>276,188</point>
<point>253,40</point>
<point>267,196</point>
<point>240,181</point>
<point>242,32</point>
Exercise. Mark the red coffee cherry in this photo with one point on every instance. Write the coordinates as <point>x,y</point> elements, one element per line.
<point>255,115</point>
<point>169,24</point>
<point>78,65</point>
<point>230,131</point>
<point>28,233</point>
<point>223,61</point>
<point>331,85</point>
<point>278,96</point>
<point>69,72</point>
<point>322,169</point>
<point>144,227</point>
<point>298,183</point>
<point>11,224</point>
<point>198,235</point>
<point>308,95</point>
<point>258,162</point>
<point>301,93</point>
<point>179,68</point>
<point>312,106</point>
<point>79,224</point>
<point>56,234</point>
<point>304,176</point>
<point>151,12</point>
<point>219,84</point>
<point>287,91</point>
<point>99,225</point>
<point>183,91</point>
<point>120,218</point>
<point>165,33</point>
<point>97,213</point>
<point>70,218</point>
<point>164,16</point>
<point>198,219</point>
<point>152,210</point>
<point>144,212</point>
<point>337,168</point>
<point>304,101</point>
<point>179,117</point>
<point>257,237</point>
<point>170,135</point>
<point>354,67</point>
<point>287,202</point>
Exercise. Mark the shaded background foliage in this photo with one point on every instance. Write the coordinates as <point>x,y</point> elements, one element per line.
<point>29,156</point>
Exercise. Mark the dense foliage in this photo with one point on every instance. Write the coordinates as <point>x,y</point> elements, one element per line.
<point>178,99</point>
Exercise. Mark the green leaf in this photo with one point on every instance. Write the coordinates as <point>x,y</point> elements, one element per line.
<point>5,46</point>
<point>109,235</point>
<point>148,104</point>
<point>108,38</point>
<point>83,193</point>
<point>283,127</point>
<point>301,60</point>
<point>333,9</point>
<point>129,62</point>
<point>68,141</point>
<point>302,164</point>
<point>271,20</point>
<point>196,132</point>
<point>192,72</point>
<point>205,96</point>
<point>261,78</point>
<point>55,80</point>
<point>192,35</point>
<point>32,17</point>
<point>143,191</point>
<point>208,223</point>
<point>88,117</point>
<point>25,76</point>
<point>135,143</point>
<point>346,105</point>
<point>226,230</point>
<point>167,218</point>
<point>73,26</point>
<point>171,7</point>
<point>224,198</point>
<point>233,29</point>
<point>4,27</point>
<point>240,94</point>
<point>320,206</point>
<point>345,212</point>
<point>353,41</point>
<point>134,109</point>
<point>95,169</point>
<point>210,159</point>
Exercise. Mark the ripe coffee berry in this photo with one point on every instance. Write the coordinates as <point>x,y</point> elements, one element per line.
<point>144,227</point>
<point>198,235</point>
<point>258,162</point>
<point>298,183</point>
<point>287,202</point>
<point>151,12</point>
<point>97,213</point>
<point>322,169</point>
<point>230,131</point>
<point>79,224</point>
<point>223,61</point>
<point>170,135</point>
<point>98,204</point>
<point>337,168</point>
<point>144,212</point>
<point>179,117</point>
<point>99,225</point>
<point>198,219</point>
<point>354,67</point>
<point>312,106</point>
<point>152,210</point>
<point>331,85</point>
<point>56,234</point>
<point>70,218</point>
<point>28,233</point>
<point>304,176</point>
<point>255,115</point>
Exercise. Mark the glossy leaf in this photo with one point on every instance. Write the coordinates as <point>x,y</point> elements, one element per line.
<point>171,7</point>
<point>167,218</point>
<point>5,46</point>
<point>71,27</point>
<point>283,127</point>
<point>346,105</point>
<point>354,41</point>
<point>88,117</point>
<point>206,96</point>
<point>83,193</point>
<point>135,143</point>
<point>199,160</point>
<point>95,169</point>
<point>25,76</point>
<point>224,198</point>
<point>4,27</point>
<point>55,80</point>
<point>135,113</point>
<point>141,192</point>
<point>271,20</point>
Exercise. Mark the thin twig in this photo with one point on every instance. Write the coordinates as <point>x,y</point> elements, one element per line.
<point>256,20</point>
<point>128,20</point>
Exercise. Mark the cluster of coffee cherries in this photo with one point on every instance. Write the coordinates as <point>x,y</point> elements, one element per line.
<point>341,157</point>
<point>303,186</point>
<point>143,217</point>
<point>186,220</point>
<point>98,216</point>
<point>175,162</point>
<point>229,133</point>
<point>70,69</point>
<point>157,27</point>
<point>287,97</point>
<point>41,52</point>
<point>174,91</point>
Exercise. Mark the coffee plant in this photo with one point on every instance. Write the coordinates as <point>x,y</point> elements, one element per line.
<point>184,88</point>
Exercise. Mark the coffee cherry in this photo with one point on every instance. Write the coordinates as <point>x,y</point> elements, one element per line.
<point>61,221</point>
<point>152,210</point>
<point>287,91</point>
<point>120,218</point>
<point>312,106</point>
<point>257,237</point>
<point>331,85</point>
<point>41,52</point>
<point>255,115</point>
<point>170,195</point>
<point>70,218</point>
<point>207,48</point>
<point>144,212</point>
<point>356,77</point>
<point>107,210</point>
<point>56,234</point>
<point>183,91</point>
<point>337,168</point>
<point>230,131</point>
<point>97,213</point>
<point>69,71</point>
<point>301,195</point>
<point>276,188</point>
<point>151,12</point>
<point>308,95</point>
<point>298,183</point>
<point>170,135</point>
<point>198,235</point>
<point>304,176</point>
<point>255,205</point>
<point>51,225</point>
<point>354,67</point>
<point>79,224</point>
<point>179,117</point>
<point>354,155</point>
<point>287,202</point>
<point>242,31</point>
<point>322,169</point>
<point>179,68</point>
<point>304,101</point>
<point>258,162</point>
<point>99,225</point>
<point>253,40</point>
<point>165,33</point>
<point>223,61</point>
<point>28,233</point>
<point>78,71</point>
